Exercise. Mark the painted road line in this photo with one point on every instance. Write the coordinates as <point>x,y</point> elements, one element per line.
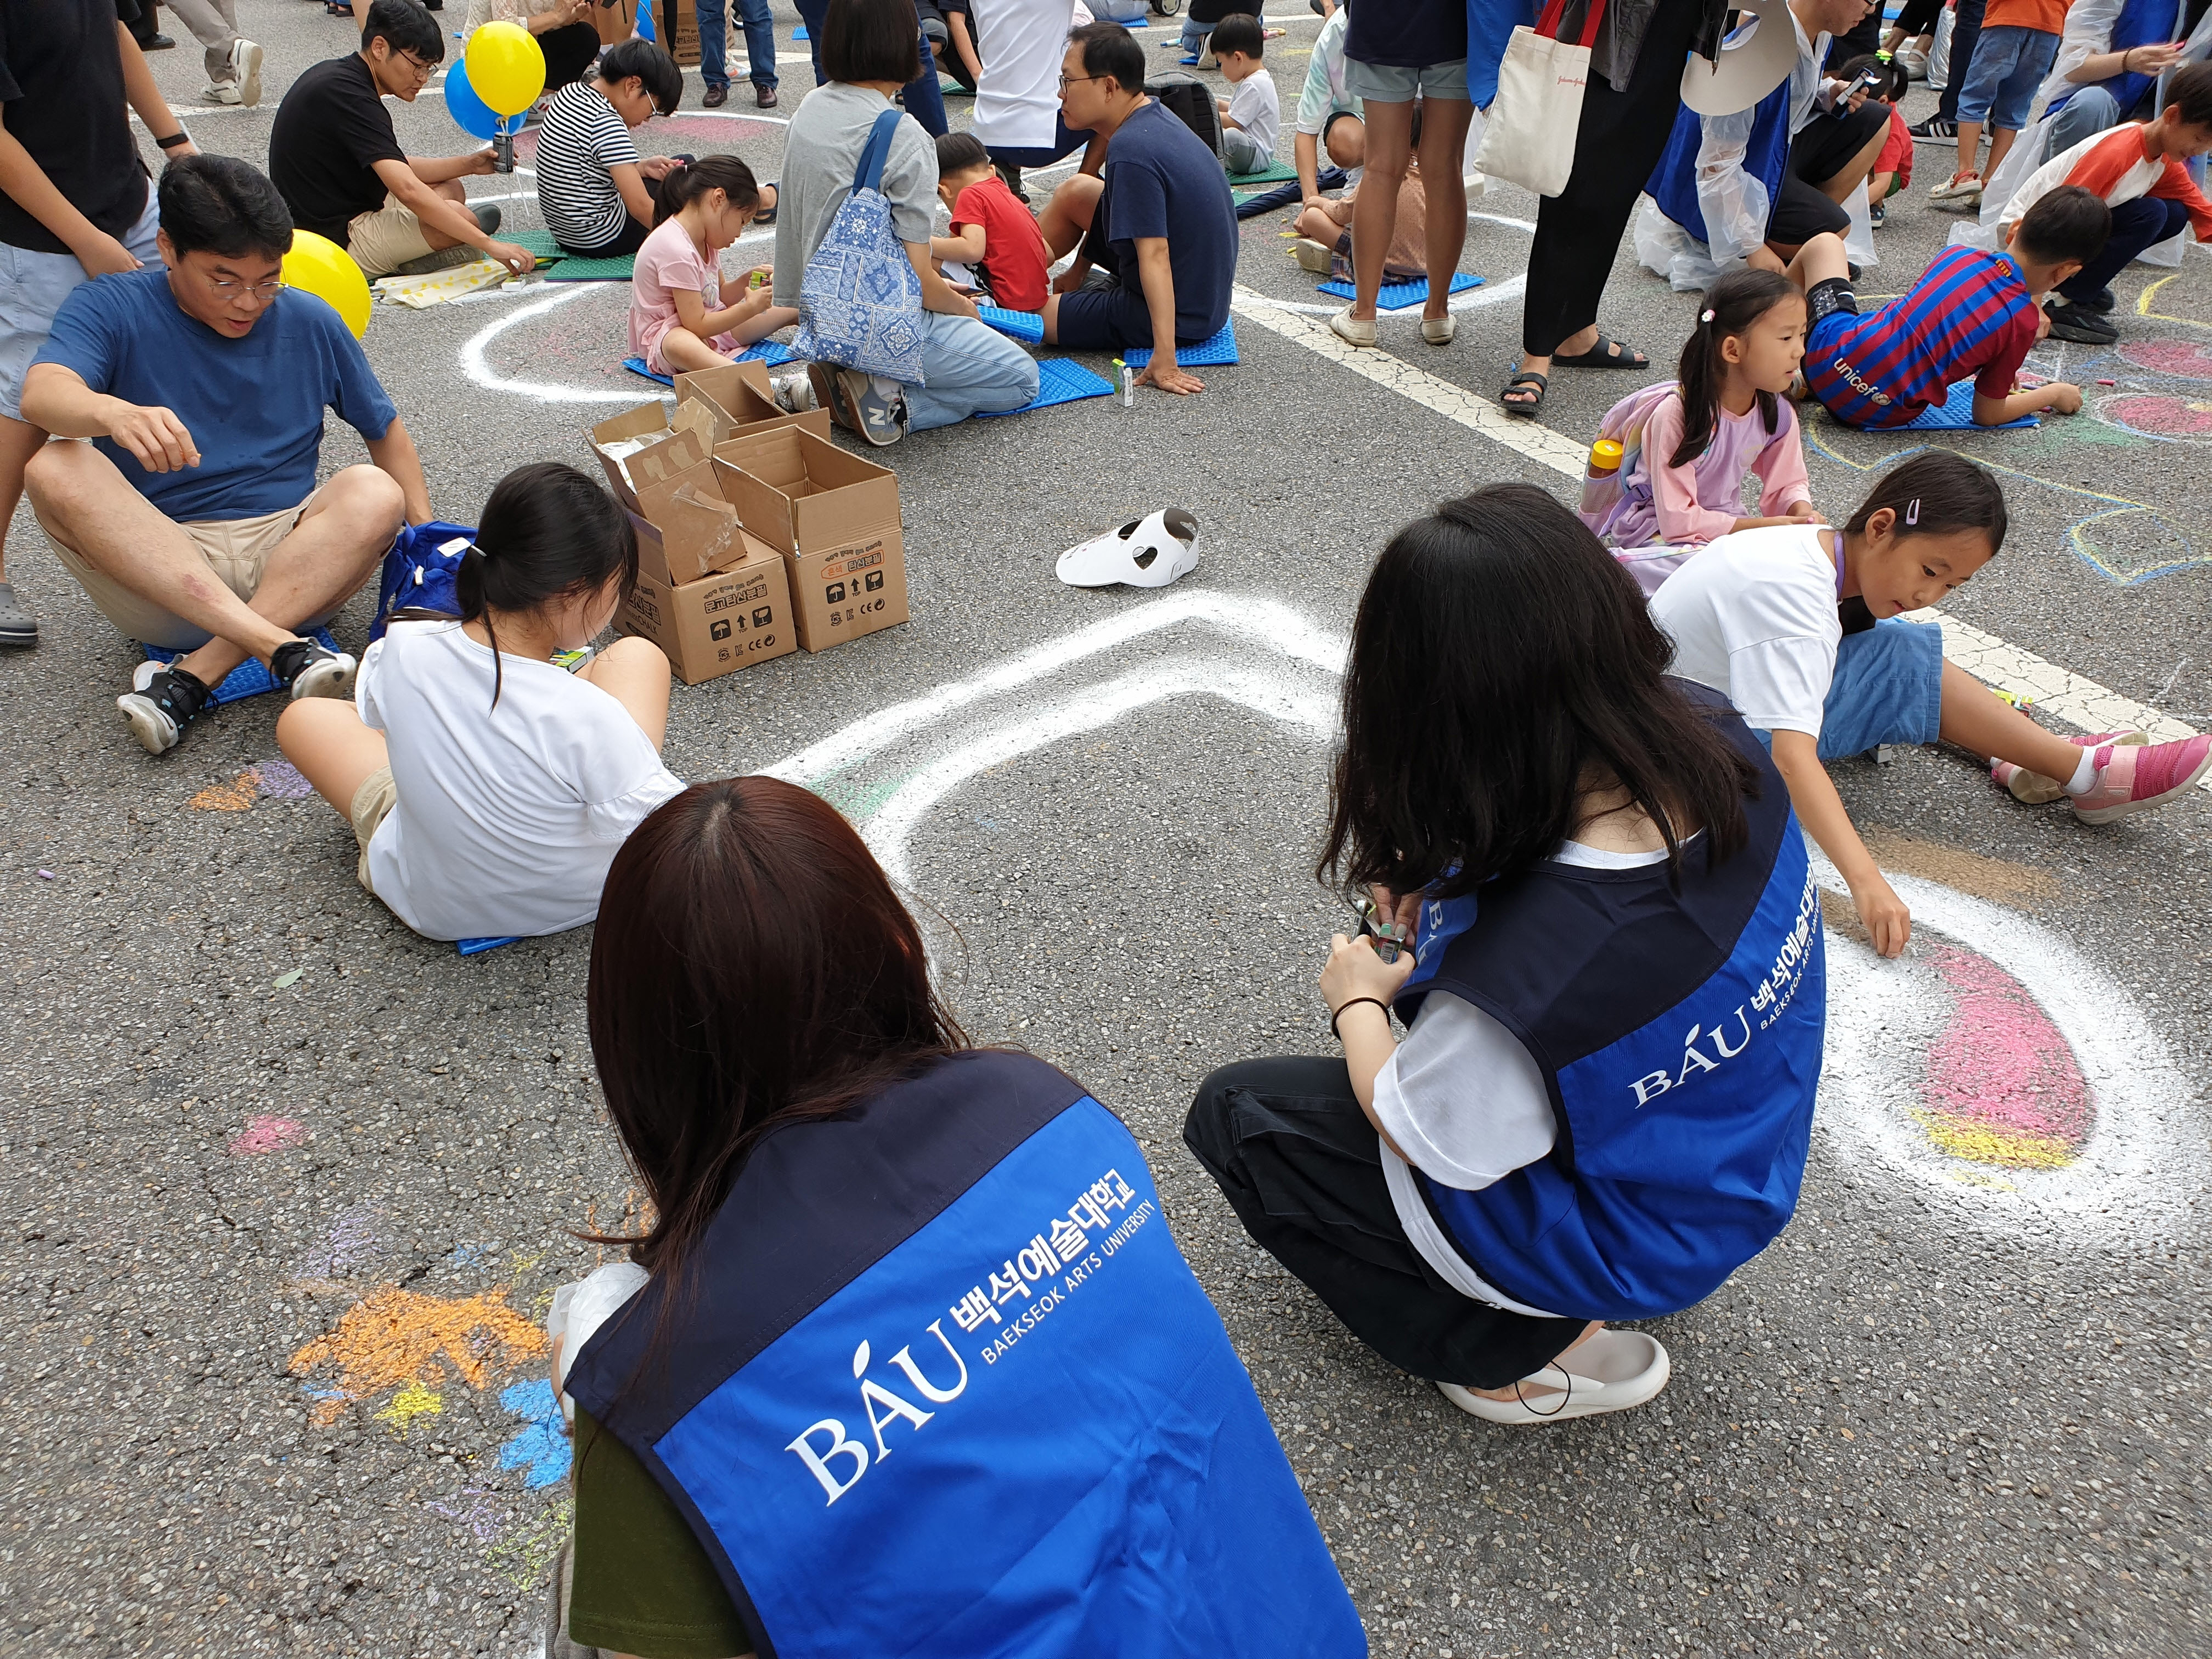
<point>2071,697</point>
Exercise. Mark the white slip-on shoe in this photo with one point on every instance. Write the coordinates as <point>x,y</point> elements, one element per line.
<point>1611,1372</point>
<point>1352,331</point>
<point>1438,331</point>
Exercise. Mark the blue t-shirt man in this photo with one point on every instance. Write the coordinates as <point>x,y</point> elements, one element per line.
<point>254,405</point>
<point>1160,180</point>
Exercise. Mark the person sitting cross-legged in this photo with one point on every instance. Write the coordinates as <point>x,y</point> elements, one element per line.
<point>334,155</point>
<point>192,519</point>
<point>1158,224</point>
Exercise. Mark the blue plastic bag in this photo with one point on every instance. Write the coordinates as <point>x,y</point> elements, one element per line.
<point>419,571</point>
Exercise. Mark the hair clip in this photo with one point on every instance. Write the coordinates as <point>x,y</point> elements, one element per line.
<point>1706,315</point>
<point>1912,512</point>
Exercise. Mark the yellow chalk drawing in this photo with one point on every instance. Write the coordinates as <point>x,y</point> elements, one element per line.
<point>411,1402</point>
<point>524,1557</point>
<point>2020,1152</point>
<point>236,796</point>
<point>393,1338</point>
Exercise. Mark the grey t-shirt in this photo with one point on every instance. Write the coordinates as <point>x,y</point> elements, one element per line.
<point>820,150</point>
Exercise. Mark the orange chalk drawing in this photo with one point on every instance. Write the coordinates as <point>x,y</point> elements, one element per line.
<point>236,796</point>
<point>397,1338</point>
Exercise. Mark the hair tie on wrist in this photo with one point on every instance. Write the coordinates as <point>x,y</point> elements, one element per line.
<point>1353,1003</point>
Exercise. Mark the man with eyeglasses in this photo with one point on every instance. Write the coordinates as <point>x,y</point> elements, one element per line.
<point>334,155</point>
<point>192,519</point>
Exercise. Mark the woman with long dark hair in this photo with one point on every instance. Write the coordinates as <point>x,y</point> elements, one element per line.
<point>1615,998</point>
<point>912,1364</point>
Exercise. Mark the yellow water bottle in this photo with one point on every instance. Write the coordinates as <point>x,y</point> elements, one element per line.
<point>1605,458</point>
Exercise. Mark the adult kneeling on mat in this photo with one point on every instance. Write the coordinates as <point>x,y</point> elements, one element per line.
<point>1615,1000</point>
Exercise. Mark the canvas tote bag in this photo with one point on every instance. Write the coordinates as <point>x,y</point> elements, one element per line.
<point>860,300</point>
<point>1528,137</point>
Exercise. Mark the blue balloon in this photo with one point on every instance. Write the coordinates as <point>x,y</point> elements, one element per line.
<point>475,117</point>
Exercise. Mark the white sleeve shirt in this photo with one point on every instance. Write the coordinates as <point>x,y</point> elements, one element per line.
<point>1753,617</point>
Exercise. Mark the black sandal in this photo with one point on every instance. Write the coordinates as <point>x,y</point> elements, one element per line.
<point>1606,354</point>
<point>1527,409</point>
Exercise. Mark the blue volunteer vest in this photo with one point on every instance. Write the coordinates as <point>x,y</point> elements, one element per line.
<point>1674,182</point>
<point>2141,23</point>
<point>941,1384</point>
<point>1683,1118</point>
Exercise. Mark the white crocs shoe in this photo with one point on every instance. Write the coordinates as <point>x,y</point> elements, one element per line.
<point>1611,1372</point>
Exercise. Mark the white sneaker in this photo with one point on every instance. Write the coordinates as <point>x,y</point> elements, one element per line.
<point>246,71</point>
<point>222,91</point>
<point>1354,331</point>
<point>1963,190</point>
<point>1438,331</point>
<point>1611,1372</point>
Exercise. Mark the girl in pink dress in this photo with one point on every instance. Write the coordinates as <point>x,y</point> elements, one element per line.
<point>684,313</point>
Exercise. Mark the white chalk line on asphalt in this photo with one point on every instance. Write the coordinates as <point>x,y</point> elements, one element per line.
<point>2073,698</point>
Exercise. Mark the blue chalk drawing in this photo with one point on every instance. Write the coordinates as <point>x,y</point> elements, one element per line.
<point>542,1449</point>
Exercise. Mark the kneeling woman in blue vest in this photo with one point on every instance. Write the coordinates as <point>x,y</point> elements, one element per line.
<point>907,1361</point>
<point>1615,1009</point>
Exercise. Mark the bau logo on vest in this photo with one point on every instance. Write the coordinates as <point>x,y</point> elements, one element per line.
<point>894,1406</point>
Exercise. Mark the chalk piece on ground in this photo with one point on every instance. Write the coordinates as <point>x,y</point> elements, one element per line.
<point>1059,380</point>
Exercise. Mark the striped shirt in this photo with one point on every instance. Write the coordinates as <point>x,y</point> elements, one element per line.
<point>582,138</point>
<point>1969,315</point>
<point>2114,165</point>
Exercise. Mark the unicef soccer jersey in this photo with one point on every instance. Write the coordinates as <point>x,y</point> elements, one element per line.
<point>943,1385</point>
<point>1683,1118</point>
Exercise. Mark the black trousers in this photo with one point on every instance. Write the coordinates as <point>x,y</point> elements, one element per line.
<point>570,50</point>
<point>1801,210</point>
<point>1303,1168</point>
<point>1578,231</point>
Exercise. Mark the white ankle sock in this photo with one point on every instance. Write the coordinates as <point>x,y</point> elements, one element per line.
<point>2085,775</point>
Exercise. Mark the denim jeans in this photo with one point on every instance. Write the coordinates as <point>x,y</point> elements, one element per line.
<point>2009,65</point>
<point>1966,30</point>
<point>760,41</point>
<point>921,99</point>
<point>2089,112</point>
<point>969,368</point>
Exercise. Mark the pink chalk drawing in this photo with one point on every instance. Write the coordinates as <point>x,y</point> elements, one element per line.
<point>284,780</point>
<point>2155,416</point>
<point>267,1134</point>
<point>1997,1065</point>
<point>2181,360</point>
<point>2002,1087</point>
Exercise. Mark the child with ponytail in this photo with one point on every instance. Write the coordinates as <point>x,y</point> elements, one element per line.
<point>1802,628</point>
<point>488,788</point>
<point>684,313</point>
<point>1687,445</point>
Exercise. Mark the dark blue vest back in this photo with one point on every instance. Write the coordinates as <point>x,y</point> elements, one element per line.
<point>942,1385</point>
<point>1680,1033</point>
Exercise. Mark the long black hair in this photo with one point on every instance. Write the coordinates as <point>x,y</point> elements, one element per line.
<point>1935,493</point>
<point>1732,305</point>
<point>548,533</point>
<point>1502,665</point>
<point>681,185</point>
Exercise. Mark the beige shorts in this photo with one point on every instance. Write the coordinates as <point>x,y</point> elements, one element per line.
<point>237,554</point>
<point>382,242</point>
<point>372,804</point>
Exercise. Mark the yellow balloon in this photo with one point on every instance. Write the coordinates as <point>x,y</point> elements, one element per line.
<point>507,67</point>
<point>316,266</point>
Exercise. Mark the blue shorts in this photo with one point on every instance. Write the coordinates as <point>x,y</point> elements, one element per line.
<point>2009,65</point>
<point>32,286</point>
<point>1888,688</point>
<point>1393,84</point>
<point>1104,319</point>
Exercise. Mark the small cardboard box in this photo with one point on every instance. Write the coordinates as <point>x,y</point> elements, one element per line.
<point>835,518</point>
<point>730,620</point>
<point>687,530</point>
<point>743,402</point>
<point>679,442</point>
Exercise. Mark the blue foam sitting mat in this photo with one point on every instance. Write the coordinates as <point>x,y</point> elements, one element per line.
<point>1397,296</point>
<point>476,947</point>
<point>768,351</point>
<point>1026,325</point>
<point>1059,380</point>
<point>1221,348</point>
<point>250,678</point>
<point>1954,414</point>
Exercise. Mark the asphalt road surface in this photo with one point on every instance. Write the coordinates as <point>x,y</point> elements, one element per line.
<point>287,1188</point>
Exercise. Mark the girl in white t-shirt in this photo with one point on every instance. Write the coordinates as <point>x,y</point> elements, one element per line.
<point>684,313</point>
<point>1755,615</point>
<point>489,789</point>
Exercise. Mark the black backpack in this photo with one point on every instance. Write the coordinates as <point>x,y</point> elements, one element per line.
<point>1190,101</point>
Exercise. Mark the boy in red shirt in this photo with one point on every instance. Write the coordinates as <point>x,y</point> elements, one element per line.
<point>993,234</point>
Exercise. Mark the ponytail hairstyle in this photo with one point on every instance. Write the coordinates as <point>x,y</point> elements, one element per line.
<point>1732,305</point>
<point>549,533</point>
<point>1936,493</point>
<point>684,185</point>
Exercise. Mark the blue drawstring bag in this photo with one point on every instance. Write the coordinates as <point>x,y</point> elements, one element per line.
<point>860,301</point>
<point>419,572</point>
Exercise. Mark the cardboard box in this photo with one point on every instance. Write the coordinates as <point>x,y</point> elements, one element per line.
<point>687,530</point>
<point>615,20</point>
<point>678,442</point>
<point>743,402</point>
<point>834,517</point>
<point>732,619</point>
<point>677,24</point>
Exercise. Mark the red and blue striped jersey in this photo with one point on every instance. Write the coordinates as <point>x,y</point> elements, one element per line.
<point>1969,315</point>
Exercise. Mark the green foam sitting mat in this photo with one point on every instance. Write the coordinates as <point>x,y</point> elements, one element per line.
<point>571,267</point>
<point>1277,174</point>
